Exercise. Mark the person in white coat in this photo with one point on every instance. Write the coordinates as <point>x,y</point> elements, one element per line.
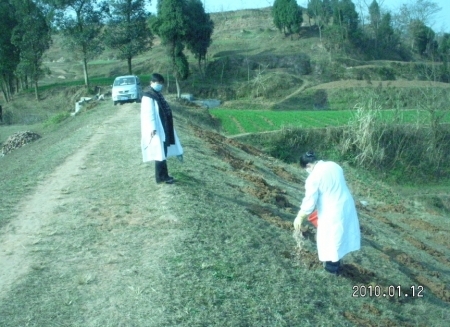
<point>159,139</point>
<point>326,190</point>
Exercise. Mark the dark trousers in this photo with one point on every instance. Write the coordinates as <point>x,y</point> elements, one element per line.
<point>161,171</point>
<point>332,267</point>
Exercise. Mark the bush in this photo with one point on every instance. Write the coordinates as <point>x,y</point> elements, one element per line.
<point>326,71</point>
<point>56,119</point>
<point>320,99</point>
<point>400,152</point>
<point>8,117</point>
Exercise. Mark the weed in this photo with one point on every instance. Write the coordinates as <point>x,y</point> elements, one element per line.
<point>8,117</point>
<point>56,119</point>
<point>84,279</point>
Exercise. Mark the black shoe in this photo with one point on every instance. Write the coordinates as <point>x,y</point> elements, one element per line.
<point>169,180</point>
<point>332,267</point>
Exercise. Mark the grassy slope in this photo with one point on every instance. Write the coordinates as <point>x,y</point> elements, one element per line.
<point>215,249</point>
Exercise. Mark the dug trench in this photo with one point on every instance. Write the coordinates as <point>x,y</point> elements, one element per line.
<point>279,210</point>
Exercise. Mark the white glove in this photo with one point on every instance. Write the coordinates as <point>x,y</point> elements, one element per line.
<point>298,222</point>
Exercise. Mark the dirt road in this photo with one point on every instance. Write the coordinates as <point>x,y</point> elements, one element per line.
<point>35,214</point>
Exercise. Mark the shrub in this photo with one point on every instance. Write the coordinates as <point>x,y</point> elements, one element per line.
<point>56,119</point>
<point>8,117</point>
<point>362,135</point>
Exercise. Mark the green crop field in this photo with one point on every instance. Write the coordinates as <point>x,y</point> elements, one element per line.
<point>251,121</point>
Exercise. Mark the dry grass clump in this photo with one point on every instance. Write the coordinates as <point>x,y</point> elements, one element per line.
<point>299,239</point>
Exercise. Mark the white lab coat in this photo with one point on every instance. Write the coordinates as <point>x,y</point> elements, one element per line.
<point>338,230</point>
<point>153,147</point>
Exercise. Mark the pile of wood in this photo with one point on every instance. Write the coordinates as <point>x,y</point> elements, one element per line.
<point>18,140</point>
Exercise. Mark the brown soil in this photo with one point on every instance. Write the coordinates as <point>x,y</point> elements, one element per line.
<point>258,187</point>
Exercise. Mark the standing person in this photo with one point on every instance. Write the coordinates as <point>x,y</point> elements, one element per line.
<point>326,190</point>
<point>158,137</point>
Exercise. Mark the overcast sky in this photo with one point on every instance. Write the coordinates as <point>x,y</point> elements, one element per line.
<point>442,18</point>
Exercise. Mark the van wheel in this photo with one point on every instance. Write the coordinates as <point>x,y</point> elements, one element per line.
<point>115,102</point>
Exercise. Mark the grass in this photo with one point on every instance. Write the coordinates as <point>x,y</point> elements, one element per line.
<point>253,121</point>
<point>116,249</point>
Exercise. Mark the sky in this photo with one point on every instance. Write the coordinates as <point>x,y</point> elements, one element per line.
<point>442,19</point>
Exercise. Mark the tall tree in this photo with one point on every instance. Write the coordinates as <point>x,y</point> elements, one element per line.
<point>198,37</point>
<point>418,10</point>
<point>287,16</point>
<point>80,21</point>
<point>444,47</point>
<point>375,18</point>
<point>127,30</point>
<point>346,18</point>
<point>172,25</point>
<point>32,36</point>
<point>388,40</point>
<point>374,14</point>
<point>444,53</point>
<point>423,38</point>
<point>9,54</point>
<point>320,11</point>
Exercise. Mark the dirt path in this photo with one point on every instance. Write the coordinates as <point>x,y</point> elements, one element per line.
<point>37,210</point>
<point>304,86</point>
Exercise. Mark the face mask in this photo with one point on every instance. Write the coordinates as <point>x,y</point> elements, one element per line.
<point>157,87</point>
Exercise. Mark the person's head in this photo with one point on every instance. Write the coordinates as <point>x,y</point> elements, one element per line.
<point>157,82</point>
<point>308,160</point>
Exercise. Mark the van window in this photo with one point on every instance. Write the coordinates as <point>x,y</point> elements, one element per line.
<point>124,81</point>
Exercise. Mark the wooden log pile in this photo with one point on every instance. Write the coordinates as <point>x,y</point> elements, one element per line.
<point>18,140</point>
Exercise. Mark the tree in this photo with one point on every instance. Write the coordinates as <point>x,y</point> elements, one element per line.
<point>388,40</point>
<point>346,18</point>
<point>127,31</point>
<point>420,10</point>
<point>423,38</point>
<point>444,47</point>
<point>321,11</point>
<point>80,21</point>
<point>9,54</point>
<point>32,36</point>
<point>444,54</point>
<point>375,18</point>
<point>172,26</point>
<point>201,27</point>
<point>287,16</point>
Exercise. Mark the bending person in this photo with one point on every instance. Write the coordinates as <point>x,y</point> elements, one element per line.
<point>326,190</point>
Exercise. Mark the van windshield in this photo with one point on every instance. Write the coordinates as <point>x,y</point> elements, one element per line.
<point>124,81</point>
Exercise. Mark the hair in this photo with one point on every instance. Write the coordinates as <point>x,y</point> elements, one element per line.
<point>307,158</point>
<point>157,78</point>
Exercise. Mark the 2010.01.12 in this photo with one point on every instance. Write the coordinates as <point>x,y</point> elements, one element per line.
<point>391,291</point>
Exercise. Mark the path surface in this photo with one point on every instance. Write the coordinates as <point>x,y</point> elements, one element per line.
<point>37,210</point>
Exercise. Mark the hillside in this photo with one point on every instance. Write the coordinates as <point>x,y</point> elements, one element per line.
<point>88,239</point>
<point>251,65</point>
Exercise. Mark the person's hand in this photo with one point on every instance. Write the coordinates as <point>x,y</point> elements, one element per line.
<point>153,133</point>
<point>298,222</point>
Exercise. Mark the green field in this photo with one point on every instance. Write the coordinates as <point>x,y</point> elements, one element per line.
<point>250,121</point>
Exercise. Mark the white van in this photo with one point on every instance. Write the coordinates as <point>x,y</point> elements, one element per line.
<point>126,89</point>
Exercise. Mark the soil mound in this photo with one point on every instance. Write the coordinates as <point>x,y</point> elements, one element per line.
<point>18,140</point>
